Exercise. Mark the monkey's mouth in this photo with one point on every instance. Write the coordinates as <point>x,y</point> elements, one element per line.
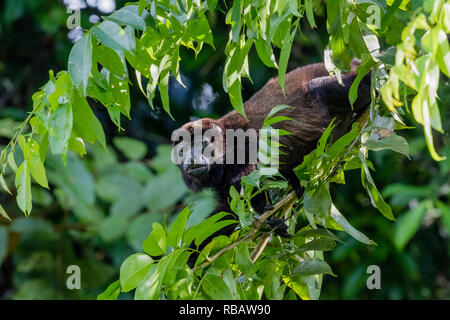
<point>196,170</point>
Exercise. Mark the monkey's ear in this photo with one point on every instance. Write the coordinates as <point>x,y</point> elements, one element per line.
<point>327,92</point>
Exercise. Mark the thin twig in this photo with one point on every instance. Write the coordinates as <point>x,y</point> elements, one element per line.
<point>264,240</point>
<point>252,234</point>
<point>259,248</point>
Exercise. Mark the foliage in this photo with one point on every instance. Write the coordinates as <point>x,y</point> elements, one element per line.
<point>148,36</point>
<point>410,252</point>
<point>101,205</point>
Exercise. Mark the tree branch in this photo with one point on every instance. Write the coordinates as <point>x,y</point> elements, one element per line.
<point>252,234</point>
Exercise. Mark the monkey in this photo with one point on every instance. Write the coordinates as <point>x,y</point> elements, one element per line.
<point>315,99</point>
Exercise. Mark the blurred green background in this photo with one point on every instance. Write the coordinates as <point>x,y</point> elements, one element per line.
<point>102,206</point>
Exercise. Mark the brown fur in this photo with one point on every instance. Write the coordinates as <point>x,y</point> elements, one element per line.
<point>316,99</point>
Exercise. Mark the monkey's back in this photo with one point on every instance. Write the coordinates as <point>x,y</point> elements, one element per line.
<point>315,98</point>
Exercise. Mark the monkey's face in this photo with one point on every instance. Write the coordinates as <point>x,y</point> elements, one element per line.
<point>198,152</point>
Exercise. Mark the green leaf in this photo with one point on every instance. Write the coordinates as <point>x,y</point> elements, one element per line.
<point>321,144</point>
<point>85,122</point>
<point>277,119</point>
<point>216,288</point>
<point>3,213</point>
<point>394,5</point>
<point>12,161</point>
<point>427,123</point>
<point>243,258</point>
<point>205,233</point>
<point>112,35</point>
<point>236,22</point>
<point>176,230</point>
<point>133,270</point>
<point>234,69</point>
<point>199,30</point>
<point>128,15</point>
<point>317,245</point>
<point>230,281</point>
<point>156,242</point>
<point>310,13</point>
<point>33,157</point>
<point>375,196</point>
<point>164,91</point>
<point>358,44</point>
<point>340,147</point>
<point>252,179</point>
<point>443,52</point>
<point>121,99</point>
<point>75,144</point>
<point>272,283</point>
<point>340,54</point>
<point>203,227</point>
<point>393,142</point>
<point>59,135</point>
<point>212,4</point>
<point>265,52</point>
<point>80,62</point>
<point>311,267</point>
<point>284,55</point>
<point>408,224</point>
<point>111,293</point>
<point>150,287</point>
<point>235,94</point>
<point>320,233</point>
<point>318,202</point>
<point>347,227</point>
<point>362,70</point>
<point>133,149</point>
<point>4,184</point>
<point>111,60</point>
<point>387,56</point>
<point>23,185</point>
<point>277,109</point>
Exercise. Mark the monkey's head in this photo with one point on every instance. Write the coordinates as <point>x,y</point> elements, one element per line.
<point>199,153</point>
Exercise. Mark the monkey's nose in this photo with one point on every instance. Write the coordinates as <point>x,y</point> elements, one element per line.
<point>196,170</point>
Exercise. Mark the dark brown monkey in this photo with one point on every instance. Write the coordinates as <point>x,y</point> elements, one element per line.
<point>316,99</point>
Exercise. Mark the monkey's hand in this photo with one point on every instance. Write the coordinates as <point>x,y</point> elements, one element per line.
<point>279,227</point>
